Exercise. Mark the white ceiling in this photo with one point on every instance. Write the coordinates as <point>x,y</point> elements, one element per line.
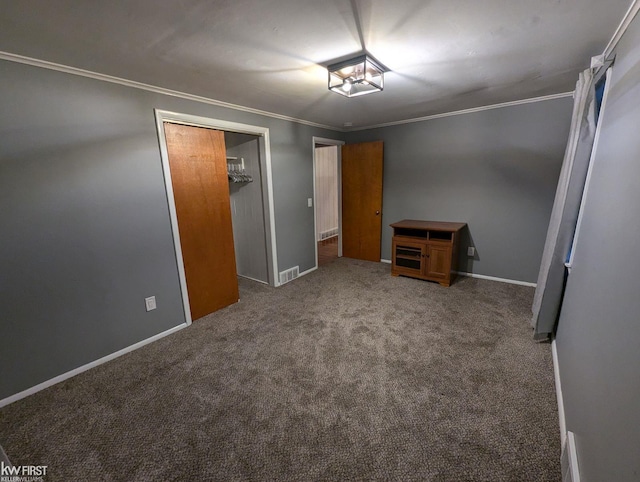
<point>443,55</point>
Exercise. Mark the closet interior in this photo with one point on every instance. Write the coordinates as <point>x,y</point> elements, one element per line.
<point>246,192</point>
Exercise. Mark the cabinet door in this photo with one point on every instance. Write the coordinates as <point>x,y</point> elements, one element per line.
<point>408,257</point>
<point>438,261</point>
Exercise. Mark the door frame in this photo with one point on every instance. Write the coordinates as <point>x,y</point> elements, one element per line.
<point>327,142</point>
<point>265,164</point>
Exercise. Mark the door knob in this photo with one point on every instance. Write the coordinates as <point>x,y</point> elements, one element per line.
<point>377,213</point>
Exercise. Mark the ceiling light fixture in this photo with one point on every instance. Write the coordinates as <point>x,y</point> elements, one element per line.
<point>357,76</point>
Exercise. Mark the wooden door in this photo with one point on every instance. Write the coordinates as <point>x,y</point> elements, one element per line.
<point>438,262</point>
<point>197,161</point>
<point>362,200</point>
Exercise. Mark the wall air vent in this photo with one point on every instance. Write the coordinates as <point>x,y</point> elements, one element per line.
<point>328,234</point>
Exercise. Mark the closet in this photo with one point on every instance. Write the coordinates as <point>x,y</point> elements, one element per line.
<point>247,205</point>
<point>217,188</point>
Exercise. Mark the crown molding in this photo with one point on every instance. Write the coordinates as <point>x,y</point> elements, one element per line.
<point>622,28</point>
<point>466,111</point>
<point>152,88</point>
<point>206,100</point>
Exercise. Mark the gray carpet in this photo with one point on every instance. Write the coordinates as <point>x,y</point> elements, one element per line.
<point>345,374</point>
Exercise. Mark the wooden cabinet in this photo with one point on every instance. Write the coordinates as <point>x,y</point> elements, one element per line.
<point>426,250</point>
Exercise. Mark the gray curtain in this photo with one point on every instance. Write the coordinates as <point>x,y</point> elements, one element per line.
<point>551,278</point>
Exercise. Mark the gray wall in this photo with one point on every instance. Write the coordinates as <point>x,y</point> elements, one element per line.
<point>496,170</point>
<point>598,337</point>
<point>85,223</point>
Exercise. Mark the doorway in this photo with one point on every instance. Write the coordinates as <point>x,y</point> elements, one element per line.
<point>247,205</point>
<point>362,173</point>
<point>259,140</point>
<point>327,199</point>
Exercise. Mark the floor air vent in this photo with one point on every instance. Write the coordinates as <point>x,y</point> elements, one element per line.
<point>289,275</point>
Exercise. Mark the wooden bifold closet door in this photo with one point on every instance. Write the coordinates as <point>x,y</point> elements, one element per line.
<point>197,161</point>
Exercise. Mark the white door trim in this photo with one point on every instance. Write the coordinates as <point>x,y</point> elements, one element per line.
<point>592,161</point>
<point>328,142</point>
<point>197,121</point>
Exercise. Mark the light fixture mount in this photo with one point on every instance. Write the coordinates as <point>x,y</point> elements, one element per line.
<point>356,76</point>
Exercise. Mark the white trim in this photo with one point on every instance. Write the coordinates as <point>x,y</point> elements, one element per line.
<point>253,279</point>
<point>304,273</point>
<point>21,59</point>
<point>315,204</point>
<point>556,375</point>
<point>88,366</point>
<point>152,88</point>
<point>328,142</point>
<point>187,119</point>
<point>466,111</point>
<point>387,261</point>
<point>4,459</point>
<point>587,182</point>
<point>166,172</point>
<point>272,208</point>
<point>340,201</point>
<point>622,28</point>
<point>493,278</point>
<point>574,468</point>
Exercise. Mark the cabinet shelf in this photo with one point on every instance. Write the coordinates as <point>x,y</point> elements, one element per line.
<point>410,258</point>
<point>403,252</point>
<point>426,250</point>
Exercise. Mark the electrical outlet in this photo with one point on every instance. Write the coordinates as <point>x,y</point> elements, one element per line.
<point>309,202</point>
<point>150,303</point>
<point>471,251</point>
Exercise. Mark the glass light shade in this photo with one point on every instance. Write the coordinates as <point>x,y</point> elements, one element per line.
<point>358,76</point>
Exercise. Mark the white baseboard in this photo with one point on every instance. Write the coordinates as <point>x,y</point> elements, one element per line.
<point>569,455</point>
<point>559,398</point>
<point>569,460</point>
<point>308,271</point>
<point>501,280</point>
<point>88,366</point>
<point>481,276</point>
<point>253,279</point>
